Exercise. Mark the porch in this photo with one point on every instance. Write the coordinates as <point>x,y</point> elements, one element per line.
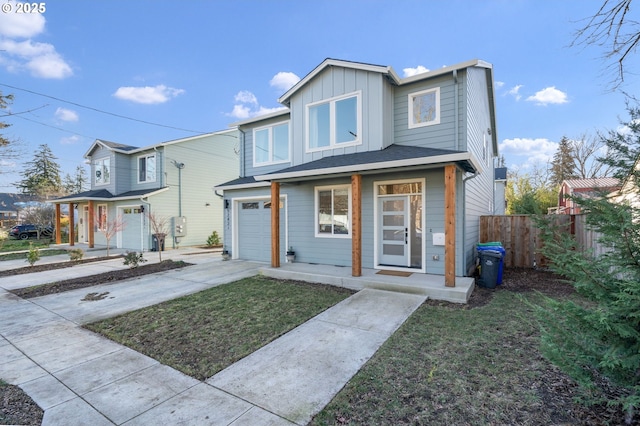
<point>431,285</point>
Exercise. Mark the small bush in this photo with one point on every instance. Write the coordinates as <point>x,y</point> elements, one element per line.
<point>76,254</point>
<point>133,259</point>
<point>213,240</point>
<point>33,255</point>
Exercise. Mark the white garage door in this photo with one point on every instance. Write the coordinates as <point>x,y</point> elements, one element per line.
<point>131,234</point>
<point>254,230</point>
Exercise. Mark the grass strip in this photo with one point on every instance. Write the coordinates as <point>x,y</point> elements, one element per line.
<point>204,333</point>
<point>448,366</point>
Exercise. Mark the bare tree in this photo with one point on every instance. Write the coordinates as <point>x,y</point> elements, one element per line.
<point>586,152</point>
<point>612,28</point>
<point>160,229</point>
<point>111,227</point>
<point>42,215</point>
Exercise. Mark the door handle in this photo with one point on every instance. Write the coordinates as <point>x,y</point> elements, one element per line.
<point>406,235</point>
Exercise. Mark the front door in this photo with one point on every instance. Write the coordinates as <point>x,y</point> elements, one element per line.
<point>399,242</point>
<point>394,231</point>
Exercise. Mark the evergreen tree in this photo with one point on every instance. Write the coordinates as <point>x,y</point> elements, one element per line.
<point>41,176</point>
<point>597,341</point>
<point>77,183</point>
<point>562,165</point>
<point>5,101</point>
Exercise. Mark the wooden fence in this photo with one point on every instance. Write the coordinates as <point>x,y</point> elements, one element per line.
<point>521,239</point>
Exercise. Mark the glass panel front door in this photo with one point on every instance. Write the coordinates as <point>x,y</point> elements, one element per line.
<point>394,231</point>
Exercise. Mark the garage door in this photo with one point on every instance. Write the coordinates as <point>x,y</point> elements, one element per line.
<point>131,234</point>
<point>254,230</point>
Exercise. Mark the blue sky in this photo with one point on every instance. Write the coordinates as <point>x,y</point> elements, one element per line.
<point>175,69</point>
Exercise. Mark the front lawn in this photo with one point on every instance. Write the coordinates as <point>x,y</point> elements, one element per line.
<point>203,333</point>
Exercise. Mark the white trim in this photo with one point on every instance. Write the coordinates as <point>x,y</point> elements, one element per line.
<point>332,122</point>
<point>411,96</point>
<point>360,168</point>
<point>243,186</point>
<point>376,184</point>
<point>235,205</point>
<point>271,141</point>
<point>316,190</point>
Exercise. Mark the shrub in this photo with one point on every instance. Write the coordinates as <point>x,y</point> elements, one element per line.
<point>213,240</point>
<point>133,259</point>
<point>76,254</point>
<point>33,255</point>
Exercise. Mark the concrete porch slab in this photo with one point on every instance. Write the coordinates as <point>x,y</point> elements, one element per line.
<point>417,283</point>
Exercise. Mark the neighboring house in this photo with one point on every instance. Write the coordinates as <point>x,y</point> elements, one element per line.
<point>169,181</point>
<point>628,192</point>
<point>10,207</point>
<point>500,191</point>
<point>593,187</point>
<point>367,169</point>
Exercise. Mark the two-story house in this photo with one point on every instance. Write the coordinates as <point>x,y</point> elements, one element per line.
<point>367,169</point>
<point>131,186</point>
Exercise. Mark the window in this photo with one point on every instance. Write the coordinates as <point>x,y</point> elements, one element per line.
<point>333,207</point>
<point>334,123</point>
<point>424,108</point>
<point>101,218</point>
<point>147,168</point>
<point>102,171</point>
<point>271,144</point>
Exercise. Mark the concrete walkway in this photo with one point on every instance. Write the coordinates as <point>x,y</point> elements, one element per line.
<point>81,378</point>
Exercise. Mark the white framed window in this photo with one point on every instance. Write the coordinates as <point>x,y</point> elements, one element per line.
<point>102,171</point>
<point>271,144</point>
<point>333,211</point>
<point>334,123</point>
<point>424,108</point>
<point>101,217</point>
<point>147,168</point>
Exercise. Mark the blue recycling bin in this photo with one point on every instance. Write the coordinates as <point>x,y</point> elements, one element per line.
<point>494,246</point>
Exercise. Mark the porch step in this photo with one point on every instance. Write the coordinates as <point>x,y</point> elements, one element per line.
<point>418,283</point>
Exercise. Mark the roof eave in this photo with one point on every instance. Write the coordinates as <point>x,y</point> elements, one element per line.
<point>437,160</point>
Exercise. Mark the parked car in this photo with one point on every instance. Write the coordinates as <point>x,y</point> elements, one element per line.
<point>24,232</point>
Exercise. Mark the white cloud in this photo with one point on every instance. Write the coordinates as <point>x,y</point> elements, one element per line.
<point>533,150</point>
<point>71,140</point>
<point>246,97</point>
<point>66,114</point>
<point>247,106</point>
<point>549,95</point>
<point>499,84</point>
<point>410,72</point>
<point>515,91</point>
<point>147,95</point>
<point>40,59</point>
<point>22,25</point>
<point>284,80</point>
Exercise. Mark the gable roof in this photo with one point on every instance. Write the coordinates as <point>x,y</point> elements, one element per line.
<point>392,157</point>
<point>129,149</point>
<point>602,183</point>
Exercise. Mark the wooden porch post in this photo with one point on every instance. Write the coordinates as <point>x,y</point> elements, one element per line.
<point>72,226</point>
<point>91,223</point>
<point>58,235</point>
<point>356,225</point>
<point>450,226</point>
<point>275,224</point>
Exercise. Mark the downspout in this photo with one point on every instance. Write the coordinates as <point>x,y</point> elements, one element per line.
<point>241,152</point>
<point>456,113</point>
<point>464,210</point>
<point>142,202</point>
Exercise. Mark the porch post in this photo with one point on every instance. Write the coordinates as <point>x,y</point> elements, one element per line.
<point>450,226</point>
<point>91,223</point>
<point>58,237</point>
<point>72,226</point>
<point>356,225</point>
<point>275,224</point>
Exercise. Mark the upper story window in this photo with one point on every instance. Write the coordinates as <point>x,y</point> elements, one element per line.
<point>147,168</point>
<point>424,108</point>
<point>102,171</point>
<point>271,144</point>
<point>334,123</point>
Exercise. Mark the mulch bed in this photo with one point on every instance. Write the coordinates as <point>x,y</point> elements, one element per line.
<point>53,266</point>
<point>92,280</point>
